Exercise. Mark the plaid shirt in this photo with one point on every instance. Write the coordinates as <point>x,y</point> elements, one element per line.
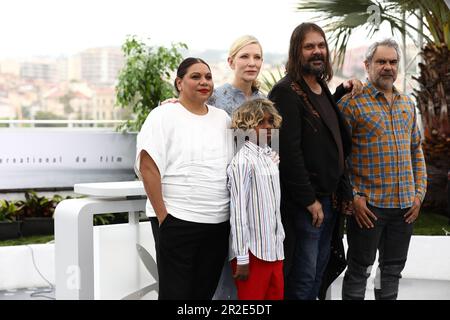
<point>387,162</point>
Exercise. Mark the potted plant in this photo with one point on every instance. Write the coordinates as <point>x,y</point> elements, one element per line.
<point>9,225</point>
<point>36,214</point>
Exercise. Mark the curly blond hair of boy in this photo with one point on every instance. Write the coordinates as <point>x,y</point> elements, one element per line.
<point>251,113</point>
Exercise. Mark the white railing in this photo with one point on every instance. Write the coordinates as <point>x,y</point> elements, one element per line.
<point>67,123</point>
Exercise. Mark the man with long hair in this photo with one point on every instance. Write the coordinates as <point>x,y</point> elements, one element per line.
<point>314,143</point>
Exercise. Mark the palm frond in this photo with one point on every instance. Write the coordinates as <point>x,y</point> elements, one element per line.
<point>269,78</point>
<point>343,17</point>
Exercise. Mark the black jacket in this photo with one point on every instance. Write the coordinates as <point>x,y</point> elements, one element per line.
<point>308,149</point>
<point>309,165</point>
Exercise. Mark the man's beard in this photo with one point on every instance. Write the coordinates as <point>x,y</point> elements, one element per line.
<point>384,83</point>
<point>309,68</point>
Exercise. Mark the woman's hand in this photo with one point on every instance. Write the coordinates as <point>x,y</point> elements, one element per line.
<point>161,217</point>
<point>169,100</point>
<point>354,85</point>
<point>275,157</point>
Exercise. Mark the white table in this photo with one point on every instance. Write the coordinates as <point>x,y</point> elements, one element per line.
<point>126,189</point>
<point>74,254</point>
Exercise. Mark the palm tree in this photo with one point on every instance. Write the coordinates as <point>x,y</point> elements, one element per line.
<point>343,17</point>
<point>270,78</point>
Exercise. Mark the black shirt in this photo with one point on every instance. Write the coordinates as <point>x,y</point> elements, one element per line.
<point>324,107</point>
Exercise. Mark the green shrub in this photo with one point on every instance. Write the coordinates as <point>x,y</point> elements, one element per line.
<point>144,80</point>
<point>8,210</point>
<point>35,206</point>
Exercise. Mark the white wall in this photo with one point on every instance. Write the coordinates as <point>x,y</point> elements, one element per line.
<point>56,158</point>
<point>119,272</point>
<point>17,269</point>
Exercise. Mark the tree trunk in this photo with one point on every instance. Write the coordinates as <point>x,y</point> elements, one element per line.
<point>433,100</point>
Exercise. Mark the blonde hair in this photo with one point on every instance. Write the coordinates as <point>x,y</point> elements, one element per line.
<point>251,113</point>
<point>238,44</point>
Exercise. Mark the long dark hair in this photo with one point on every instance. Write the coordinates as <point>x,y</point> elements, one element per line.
<point>184,66</point>
<point>295,61</point>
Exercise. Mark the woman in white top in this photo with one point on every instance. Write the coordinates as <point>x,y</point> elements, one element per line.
<point>245,59</point>
<point>182,156</point>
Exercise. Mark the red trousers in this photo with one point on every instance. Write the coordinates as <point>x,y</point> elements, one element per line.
<point>265,280</point>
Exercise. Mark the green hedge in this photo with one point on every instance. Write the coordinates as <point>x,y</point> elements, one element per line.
<point>35,206</point>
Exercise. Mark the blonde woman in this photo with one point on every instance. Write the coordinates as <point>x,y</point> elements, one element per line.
<point>245,58</point>
<point>256,234</point>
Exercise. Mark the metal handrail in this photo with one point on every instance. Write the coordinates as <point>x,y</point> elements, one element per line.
<point>69,123</point>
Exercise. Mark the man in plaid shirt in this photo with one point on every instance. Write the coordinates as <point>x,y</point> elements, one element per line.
<point>388,176</point>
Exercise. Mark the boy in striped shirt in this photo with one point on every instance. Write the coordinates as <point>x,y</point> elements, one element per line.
<point>256,236</point>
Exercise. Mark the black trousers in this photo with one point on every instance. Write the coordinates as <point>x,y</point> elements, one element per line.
<point>191,257</point>
<point>390,236</point>
<point>155,230</point>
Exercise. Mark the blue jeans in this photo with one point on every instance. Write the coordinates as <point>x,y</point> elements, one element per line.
<point>391,236</point>
<point>311,253</point>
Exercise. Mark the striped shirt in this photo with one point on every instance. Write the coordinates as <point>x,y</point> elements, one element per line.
<point>387,162</point>
<point>253,180</point>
